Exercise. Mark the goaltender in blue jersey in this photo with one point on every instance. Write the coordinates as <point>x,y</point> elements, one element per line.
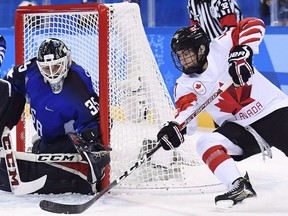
<point>62,101</point>
<point>57,109</point>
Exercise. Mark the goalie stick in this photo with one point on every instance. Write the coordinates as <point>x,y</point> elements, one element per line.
<point>17,186</point>
<point>62,208</point>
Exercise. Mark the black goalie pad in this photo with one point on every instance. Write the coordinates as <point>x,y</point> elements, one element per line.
<point>11,106</point>
<point>63,175</point>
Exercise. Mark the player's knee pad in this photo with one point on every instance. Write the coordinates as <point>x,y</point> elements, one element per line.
<point>215,138</point>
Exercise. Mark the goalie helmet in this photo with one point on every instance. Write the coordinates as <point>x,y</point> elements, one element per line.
<point>54,61</point>
<point>190,47</point>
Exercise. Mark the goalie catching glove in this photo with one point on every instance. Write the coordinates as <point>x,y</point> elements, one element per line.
<point>170,135</point>
<point>240,64</point>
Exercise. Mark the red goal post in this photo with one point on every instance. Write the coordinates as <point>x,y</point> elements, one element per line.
<point>103,60</point>
<point>109,41</point>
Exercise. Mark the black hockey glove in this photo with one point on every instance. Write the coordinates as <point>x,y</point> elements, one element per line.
<point>240,64</point>
<point>170,136</point>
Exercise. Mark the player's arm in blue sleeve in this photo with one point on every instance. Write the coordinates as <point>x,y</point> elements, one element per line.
<point>88,116</point>
<point>12,104</point>
<point>90,130</point>
<point>87,121</point>
<point>87,100</point>
<point>2,49</point>
<point>16,77</point>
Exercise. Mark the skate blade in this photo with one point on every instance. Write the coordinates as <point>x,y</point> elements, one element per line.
<point>224,205</point>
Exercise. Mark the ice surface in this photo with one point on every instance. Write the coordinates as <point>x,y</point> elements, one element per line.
<point>269,180</point>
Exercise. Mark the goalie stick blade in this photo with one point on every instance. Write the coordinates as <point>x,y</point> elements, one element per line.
<point>30,187</point>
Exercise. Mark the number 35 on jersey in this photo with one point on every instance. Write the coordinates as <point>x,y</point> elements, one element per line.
<point>93,105</point>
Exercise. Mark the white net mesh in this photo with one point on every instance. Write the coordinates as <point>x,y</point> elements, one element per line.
<point>139,102</point>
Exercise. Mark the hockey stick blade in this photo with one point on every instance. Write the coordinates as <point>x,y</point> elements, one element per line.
<point>30,187</point>
<point>79,208</point>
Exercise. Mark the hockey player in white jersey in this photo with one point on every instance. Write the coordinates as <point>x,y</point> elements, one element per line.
<point>214,16</point>
<point>252,113</point>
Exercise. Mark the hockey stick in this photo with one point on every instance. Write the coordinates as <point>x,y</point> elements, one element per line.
<point>17,186</point>
<point>79,208</point>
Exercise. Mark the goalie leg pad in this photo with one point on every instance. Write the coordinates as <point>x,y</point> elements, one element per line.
<point>98,160</point>
<point>58,180</point>
<point>4,181</point>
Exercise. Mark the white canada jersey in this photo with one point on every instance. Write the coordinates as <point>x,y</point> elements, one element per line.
<point>243,105</point>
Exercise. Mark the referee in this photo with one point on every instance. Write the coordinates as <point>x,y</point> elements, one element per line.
<point>214,16</point>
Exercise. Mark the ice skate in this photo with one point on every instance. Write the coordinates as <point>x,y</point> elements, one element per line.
<point>242,189</point>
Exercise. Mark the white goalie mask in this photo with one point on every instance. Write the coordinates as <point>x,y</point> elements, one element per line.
<point>54,61</point>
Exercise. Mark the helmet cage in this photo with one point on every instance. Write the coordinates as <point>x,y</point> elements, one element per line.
<point>177,61</point>
<point>198,61</point>
<point>54,71</point>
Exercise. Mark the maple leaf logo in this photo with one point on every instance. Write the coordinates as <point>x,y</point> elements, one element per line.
<point>234,99</point>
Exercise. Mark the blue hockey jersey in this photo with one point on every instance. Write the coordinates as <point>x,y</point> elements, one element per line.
<point>54,115</point>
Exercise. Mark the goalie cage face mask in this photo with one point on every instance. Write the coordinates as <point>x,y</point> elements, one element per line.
<point>190,43</point>
<point>54,61</point>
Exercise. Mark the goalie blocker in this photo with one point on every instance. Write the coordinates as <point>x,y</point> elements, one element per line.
<point>65,173</point>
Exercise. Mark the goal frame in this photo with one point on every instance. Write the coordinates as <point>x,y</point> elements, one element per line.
<point>133,97</point>
<point>103,64</point>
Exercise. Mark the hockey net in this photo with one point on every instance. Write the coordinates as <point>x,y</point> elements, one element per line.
<point>110,43</point>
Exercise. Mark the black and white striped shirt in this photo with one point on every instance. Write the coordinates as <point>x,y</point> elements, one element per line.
<point>214,16</point>
<point>2,49</point>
